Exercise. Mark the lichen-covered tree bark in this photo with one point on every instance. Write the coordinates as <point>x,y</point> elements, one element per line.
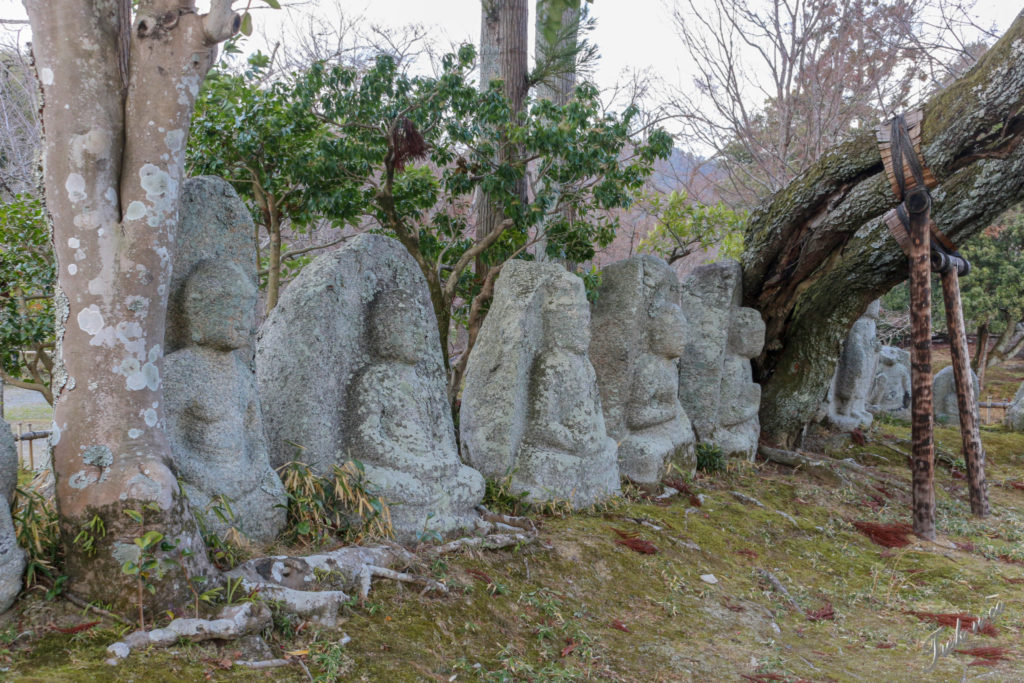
<point>118,97</point>
<point>817,253</point>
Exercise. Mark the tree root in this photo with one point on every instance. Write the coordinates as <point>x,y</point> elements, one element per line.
<point>492,542</point>
<point>233,622</point>
<point>315,587</point>
<point>779,588</point>
<point>506,522</point>
<point>824,470</point>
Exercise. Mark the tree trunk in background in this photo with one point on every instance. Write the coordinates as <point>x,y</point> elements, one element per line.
<point>981,355</point>
<point>557,24</point>
<point>114,145</point>
<point>817,253</point>
<point>503,38</point>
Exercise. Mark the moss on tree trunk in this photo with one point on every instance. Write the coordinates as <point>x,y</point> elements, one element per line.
<point>818,252</point>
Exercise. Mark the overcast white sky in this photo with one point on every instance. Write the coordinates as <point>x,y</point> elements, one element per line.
<point>630,34</point>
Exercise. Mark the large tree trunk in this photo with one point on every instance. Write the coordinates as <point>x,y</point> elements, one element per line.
<point>117,105</point>
<point>818,253</point>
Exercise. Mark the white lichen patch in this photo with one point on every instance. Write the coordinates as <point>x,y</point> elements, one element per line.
<point>149,416</point>
<point>155,181</point>
<point>81,479</point>
<point>75,186</point>
<point>46,76</point>
<point>90,320</point>
<point>136,210</point>
<point>174,140</point>
<point>74,243</point>
<point>54,434</point>
<point>134,433</point>
<point>99,455</point>
<point>72,269</point>
<point>94,144</point>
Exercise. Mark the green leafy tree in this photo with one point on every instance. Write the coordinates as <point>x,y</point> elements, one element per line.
<point>424,145</point>
<point>409,152</point>
<point>253,134</point>
<point>992,293</point>
<point>684,227</point>
<point>26,296</point>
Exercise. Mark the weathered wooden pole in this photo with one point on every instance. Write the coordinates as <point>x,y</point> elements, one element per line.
<point>974,454</point>
<point>918,203</point>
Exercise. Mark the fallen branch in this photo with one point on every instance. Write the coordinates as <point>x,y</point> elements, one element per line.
<point>234,621</point>
<point>816,468</point>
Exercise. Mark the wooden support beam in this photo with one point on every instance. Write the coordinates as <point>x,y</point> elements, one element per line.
<point>974,454</point>
<point>922,485</point>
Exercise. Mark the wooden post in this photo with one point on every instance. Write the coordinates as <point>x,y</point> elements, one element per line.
<point>31,456</point>
<point>974,454</point>
<point>923,491</point>
<point>21,445</point>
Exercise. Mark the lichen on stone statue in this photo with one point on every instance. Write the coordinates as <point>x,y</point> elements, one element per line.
<point>367,383</point>
<point>846,404</point>
<point>716,386</point>
<point>944,400</point>
<point>531,410</point>
<point>214,418</point>
<point>638,334</point>
<point>890,390</point>
<point>12,556</point>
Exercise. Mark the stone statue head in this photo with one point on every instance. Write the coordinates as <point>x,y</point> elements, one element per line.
<point>666,329</point>
<point>566,321</point>
<point>399,327</point>
<point>220,306</point>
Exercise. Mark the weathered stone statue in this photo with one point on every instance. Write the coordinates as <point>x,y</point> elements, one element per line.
<point>738,426</point>
<point>638,333</point>
<point>848,396</point>
<point>1015,413</point>
<point>890,391</point>
<point>349,367</point>
<point>214,420</point>
<point>12,557</point>
<point>531,408</point>
<point>716,388</point>
<point>944,401</point>
<point>213,224</point>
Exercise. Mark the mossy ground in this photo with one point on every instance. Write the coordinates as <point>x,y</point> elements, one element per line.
<point>576,605</point>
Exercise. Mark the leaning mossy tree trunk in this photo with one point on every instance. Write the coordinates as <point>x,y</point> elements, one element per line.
<point>118,97</point>
<point>817,253</point>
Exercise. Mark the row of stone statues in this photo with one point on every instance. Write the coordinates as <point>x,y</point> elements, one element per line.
<point>560,397</point>
<point>871,378</point>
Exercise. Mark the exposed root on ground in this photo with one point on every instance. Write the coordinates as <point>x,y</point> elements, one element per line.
<point>234,621</point>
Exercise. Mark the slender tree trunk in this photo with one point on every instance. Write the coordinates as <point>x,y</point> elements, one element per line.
<point>274,267</point>
<point>981,355</point>
<point>503,56</point>
<point>817,253</point>
<point>113,163</point>
<point>557,25</point>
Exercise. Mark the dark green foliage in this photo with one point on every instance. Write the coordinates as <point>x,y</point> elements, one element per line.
<point>26,288</point>
<point>709,458</point>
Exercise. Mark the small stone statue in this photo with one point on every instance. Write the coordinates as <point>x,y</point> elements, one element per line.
<point>855,373</point>
<point>531,408</point>
<point>890,391</point>
<point>639,333</point>
<point>214,420</point>
<point>400,432</point>
<point>738,426</point>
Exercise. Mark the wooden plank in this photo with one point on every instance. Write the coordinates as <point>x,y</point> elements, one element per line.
<point>974,454</point>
